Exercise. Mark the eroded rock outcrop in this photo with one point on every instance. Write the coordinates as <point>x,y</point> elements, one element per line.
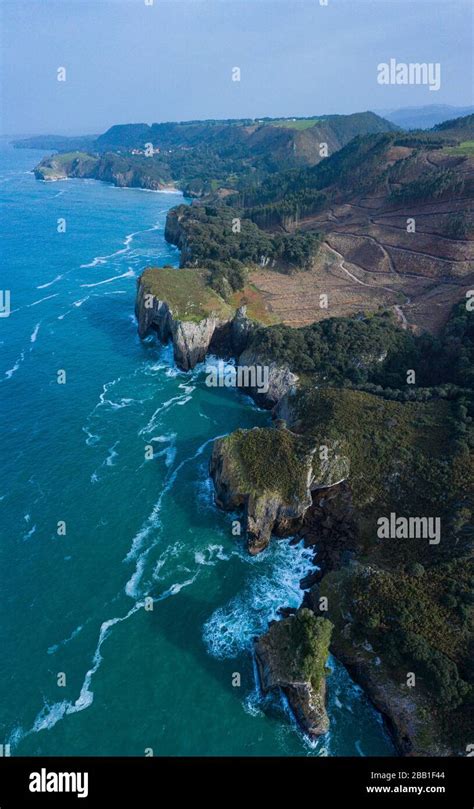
<point>292,656</point>
<point>271,474</point>
<point>163,305</point>
<point>241,331</point>
<point>281,381</point>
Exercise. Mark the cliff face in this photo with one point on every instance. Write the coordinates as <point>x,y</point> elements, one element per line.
<point>108,167</point>
<point>209,325</point>
<point>292,656</point>
<point>69,164</point>
<point>281,380</point>
<point>413,724</point>
<point>191,335</point>
<point>241,468</point>
<point>271,474</point>
<point>191,341</point>
<point>174,233</point>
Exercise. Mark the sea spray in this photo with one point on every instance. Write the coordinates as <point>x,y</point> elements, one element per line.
<point>231,628</point>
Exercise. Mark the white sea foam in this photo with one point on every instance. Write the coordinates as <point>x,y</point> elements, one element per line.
<point>92,438</point>
<point>34,333</point>
<point>50,715</point>
<point>169,453</point>
<point>15,367</point>
<point>177,587</point>
<point>99,260</point>
<point>30,533</point>
<point>152,524</point>
<point>129,274</point>
<point>209,555</point>
<point>80,301</point>
<point>153,421</point>
<point>74,634</point>
<point>49,283</point>
<point>125,249</point>
<point>48,298</point>
<point>170,552</point>
<point>110,460</point>
<point>231,628</point>
<point>205,489</point>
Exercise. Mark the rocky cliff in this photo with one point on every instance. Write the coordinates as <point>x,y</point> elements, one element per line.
<point>336,460</point>
<point>164,304</point>
<point>270,473</point>
<point>179,306</point>
<point>175,234</point>
<point>124,172</point>
<point>292,656</point>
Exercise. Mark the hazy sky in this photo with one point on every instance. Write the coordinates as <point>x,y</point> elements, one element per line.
<point>130,62</point>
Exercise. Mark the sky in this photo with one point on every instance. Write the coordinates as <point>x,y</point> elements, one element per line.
<point>127,61</point>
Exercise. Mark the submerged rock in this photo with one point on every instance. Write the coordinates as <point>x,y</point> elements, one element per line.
<point>292,656</point>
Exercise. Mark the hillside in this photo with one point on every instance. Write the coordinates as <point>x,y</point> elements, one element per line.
<point>279,137</point>
<point>424,117</point>
<point>203,156</point>
<point>397,224</point>
<point>385,220</point>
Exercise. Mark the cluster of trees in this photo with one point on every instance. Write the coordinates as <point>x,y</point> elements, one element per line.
<point>410,393</point>
<point>338,350</point>
<point>442,363</point>
<point>287,212</point>
<point>427,140</point>
<point>295,250</point>
<point>440,673</point>
<point>220,239</point>
<point>372,354</point>
<point>431,185</point>
<point>406,621</point>
<point>282,199</point>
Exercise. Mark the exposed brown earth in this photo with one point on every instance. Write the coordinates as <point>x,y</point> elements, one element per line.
<point>369,259</point>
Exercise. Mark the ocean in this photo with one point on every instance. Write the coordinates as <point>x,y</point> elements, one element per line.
<point>92,533</point>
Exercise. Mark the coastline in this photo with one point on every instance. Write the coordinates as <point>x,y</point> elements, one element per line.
<point>328,501</point>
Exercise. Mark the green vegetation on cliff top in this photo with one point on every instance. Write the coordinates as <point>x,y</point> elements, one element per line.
<point>63,163</point>
<point>185,292</point>
<point>221,239</point>
<point>403,458</point>
<point>301,647</point>
<point>266,461</point>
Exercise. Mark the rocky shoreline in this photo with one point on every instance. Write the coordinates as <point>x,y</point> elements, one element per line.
<point>284,484</point>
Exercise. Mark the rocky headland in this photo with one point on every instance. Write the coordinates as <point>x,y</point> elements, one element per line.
<point>292,657</point>
<point>333,462</point>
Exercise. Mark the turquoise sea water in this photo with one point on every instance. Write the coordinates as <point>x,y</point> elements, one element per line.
<point>72,605</point>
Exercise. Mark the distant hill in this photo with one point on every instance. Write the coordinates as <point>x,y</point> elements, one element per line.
<point>293,140</point>
<point>424,117</point>
<point>59,143</point>
<point>204,156</point>
<point>463,126</point>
